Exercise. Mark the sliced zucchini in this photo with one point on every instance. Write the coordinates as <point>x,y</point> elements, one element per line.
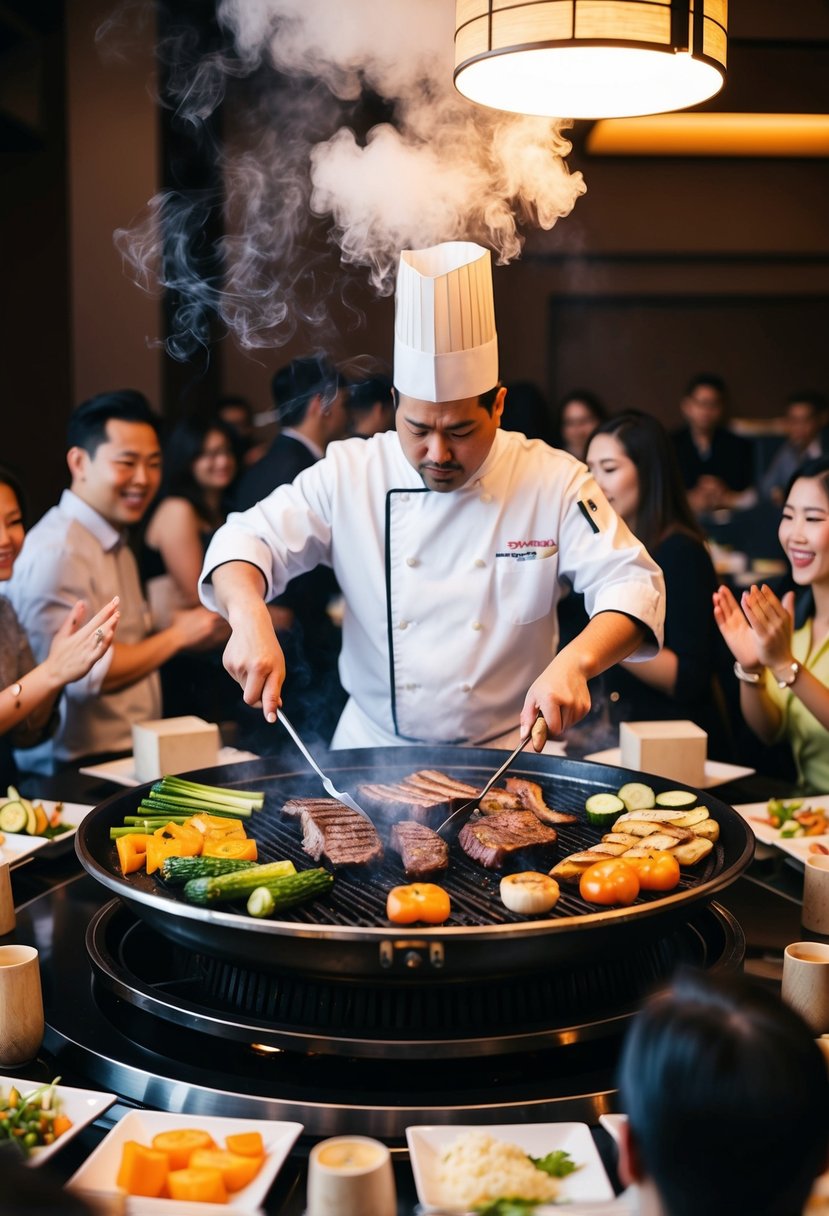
<point>13,817</point>
<point>655,815</point>
<point>637,796</point>
<point>676,798</point>
<point>31,817</point>
<point>602,809</point>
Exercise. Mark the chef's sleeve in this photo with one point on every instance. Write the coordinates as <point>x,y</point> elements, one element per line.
<point>607,564</point>
<point>286,534</point>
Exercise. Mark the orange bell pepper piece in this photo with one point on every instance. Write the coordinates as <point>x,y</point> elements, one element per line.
<point>237,1171</point>
<point>143,1171</point>
<point>179,1145</point>
<point>418,901</point>
<point>197,1185</point>
<point>132,852</point>
<point>60,1124</point>
<point>205,822</point>
<point>242,849</point>
<point>246,1144</point>
<point>189,837</point>
<point>159,847</point>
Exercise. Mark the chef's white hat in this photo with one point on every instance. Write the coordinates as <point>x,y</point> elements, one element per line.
<point>445,345</point>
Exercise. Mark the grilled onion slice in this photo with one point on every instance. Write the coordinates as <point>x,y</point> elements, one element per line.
<point>529,892</point>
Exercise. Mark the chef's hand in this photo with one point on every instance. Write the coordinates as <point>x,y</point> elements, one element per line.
<point>253,655</point>
<point>736,630</point>
<point>772,622</point>
<point>560,695</point>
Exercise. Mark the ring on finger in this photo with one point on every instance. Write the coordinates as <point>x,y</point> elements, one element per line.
<point>99,636</point>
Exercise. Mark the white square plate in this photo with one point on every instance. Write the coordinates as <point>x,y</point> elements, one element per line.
<point>82,1106</point>
<point>716,772</point>
<point>796,846</point>
<point>122,772</point>
<point>588,1184</point>
<point>18,845</point>
<point>97,1175</point>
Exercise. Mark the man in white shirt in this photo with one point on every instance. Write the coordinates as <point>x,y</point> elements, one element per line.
<point>78,551</point>
<point>448,537</point>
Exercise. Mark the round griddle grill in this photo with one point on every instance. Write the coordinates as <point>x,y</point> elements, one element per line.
<point>346,935</point>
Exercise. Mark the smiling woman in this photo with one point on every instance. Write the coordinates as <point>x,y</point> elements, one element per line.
<point>29,692</point>
<point>783,671</point>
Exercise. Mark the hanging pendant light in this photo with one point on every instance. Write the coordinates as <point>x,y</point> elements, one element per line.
<point>590,58</point>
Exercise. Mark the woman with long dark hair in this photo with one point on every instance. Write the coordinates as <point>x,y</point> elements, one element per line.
<point>200,466</point>
<point>29,693</point>
<point>784,670</point>
<point>632,459</point>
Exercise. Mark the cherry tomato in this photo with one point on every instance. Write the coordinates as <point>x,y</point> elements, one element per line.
<point>423,901</point>
<point>609,882</point>
<point>659,871</point>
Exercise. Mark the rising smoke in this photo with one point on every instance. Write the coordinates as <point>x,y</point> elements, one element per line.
<point>296,166</point>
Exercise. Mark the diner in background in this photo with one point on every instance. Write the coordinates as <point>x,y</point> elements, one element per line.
<point>631,457</point>
<point>448,537</point>
<point>716,465</point>
<point>370,406</point>
<point>79,551</point>
<point>579,413</point>
<point>804,418</point>
<point>783,670</point>
<point>30,692</point>
<point>727,1102</point>
<point>199,469</point>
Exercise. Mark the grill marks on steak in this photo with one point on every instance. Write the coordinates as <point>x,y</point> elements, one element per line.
<point>427,797</point>
<point>335,832</point>
<point>421,850</point>
<point>492,840</point>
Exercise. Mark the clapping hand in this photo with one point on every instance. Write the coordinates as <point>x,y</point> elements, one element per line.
<point>772,622</point>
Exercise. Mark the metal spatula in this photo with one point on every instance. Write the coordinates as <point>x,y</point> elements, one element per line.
<point>328,784</point>
<point>451,826</point>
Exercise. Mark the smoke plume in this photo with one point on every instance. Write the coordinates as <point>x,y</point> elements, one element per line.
<point>299,171</point>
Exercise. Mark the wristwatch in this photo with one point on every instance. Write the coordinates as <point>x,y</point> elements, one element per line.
<point>794,671</point>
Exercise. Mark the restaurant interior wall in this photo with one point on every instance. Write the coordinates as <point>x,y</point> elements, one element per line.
<point>698,233</point>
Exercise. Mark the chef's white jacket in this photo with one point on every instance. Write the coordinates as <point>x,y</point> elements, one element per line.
<point>449,598</point>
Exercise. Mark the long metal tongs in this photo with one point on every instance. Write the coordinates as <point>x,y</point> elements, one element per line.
<point>328,784</point>
<point>451,826</point>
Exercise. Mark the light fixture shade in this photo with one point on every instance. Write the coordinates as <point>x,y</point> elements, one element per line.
<point>590,58</point>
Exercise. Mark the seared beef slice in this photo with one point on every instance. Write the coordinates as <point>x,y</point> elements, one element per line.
<point>427,796</point>
<point>335,832</point>
<point>421,850</point>
<point>494,839</point>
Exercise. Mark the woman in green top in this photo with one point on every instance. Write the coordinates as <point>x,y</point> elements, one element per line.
<point>784,672</point>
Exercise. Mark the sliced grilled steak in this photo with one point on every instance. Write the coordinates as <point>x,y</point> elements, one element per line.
<point>531,797</point>
<point>427,797</point>
<point>421,850</point>
<point>494,839</point>
<point>335,832</point>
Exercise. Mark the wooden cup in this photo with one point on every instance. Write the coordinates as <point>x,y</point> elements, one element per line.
<point>350,1176</point>
<point>7,917</point>
<point>816,894</point>
<point>806,982</point>
<point>21,1005</point>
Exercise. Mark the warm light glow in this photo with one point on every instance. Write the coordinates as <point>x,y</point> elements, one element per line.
<point>712,135</point>
<point>590,58</point>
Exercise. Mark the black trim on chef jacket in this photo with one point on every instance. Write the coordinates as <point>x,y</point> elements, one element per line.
<point>389,622</point>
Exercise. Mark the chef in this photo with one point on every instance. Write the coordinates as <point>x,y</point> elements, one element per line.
<point>448,538</point>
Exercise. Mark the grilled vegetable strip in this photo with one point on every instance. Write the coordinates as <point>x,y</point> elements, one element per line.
<point>217,796</point>
<point>286,891</point>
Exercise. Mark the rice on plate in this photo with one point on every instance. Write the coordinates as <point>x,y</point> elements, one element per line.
<point>476,1168</point>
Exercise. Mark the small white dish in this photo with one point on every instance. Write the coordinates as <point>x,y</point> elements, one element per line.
<point>19,845</point>
<point>82,1106</point>
<point>96,1177</point>
<point>588,1184</point>
<point>716,772</point>
<point>122,772</point>
<point>613,1124</point>
<point>796,846</point>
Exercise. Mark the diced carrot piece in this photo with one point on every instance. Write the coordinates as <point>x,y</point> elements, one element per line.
<point>132,852</point>
<point>246,1144</point>
<point>198,1185</point>
<point>236,1170</point>
<point>60,1124</point>
<point>235,847</point>
<point>180,1145</point>
<point>143,1171</point>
